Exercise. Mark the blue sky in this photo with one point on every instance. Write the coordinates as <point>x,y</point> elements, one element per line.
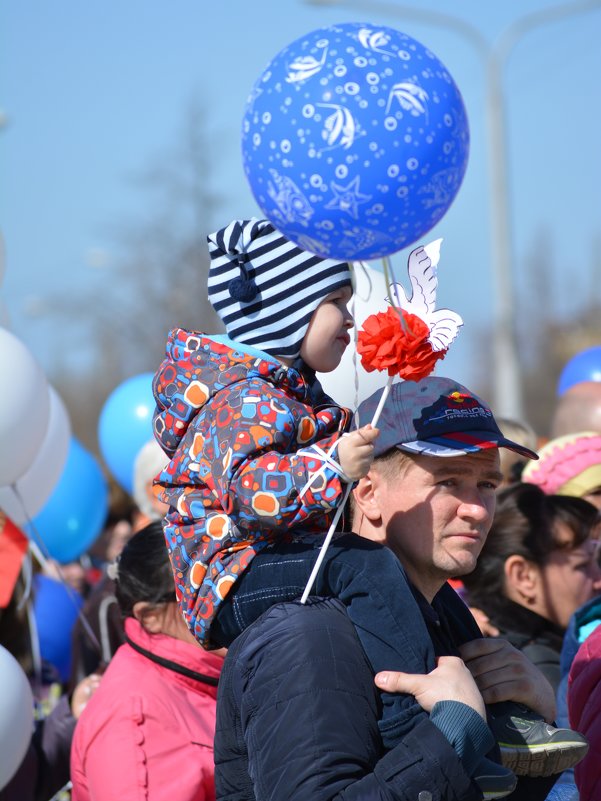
<point>93,92</point>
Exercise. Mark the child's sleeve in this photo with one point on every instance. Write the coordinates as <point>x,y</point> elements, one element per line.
<point>266,458</point>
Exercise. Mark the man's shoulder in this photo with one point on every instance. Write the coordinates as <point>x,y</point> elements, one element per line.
<point>317,634</point>
<point>283,623</point>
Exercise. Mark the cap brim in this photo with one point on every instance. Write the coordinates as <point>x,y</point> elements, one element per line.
<point>462,443</point>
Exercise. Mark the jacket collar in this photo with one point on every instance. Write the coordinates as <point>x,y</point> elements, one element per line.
<point>189,656</point>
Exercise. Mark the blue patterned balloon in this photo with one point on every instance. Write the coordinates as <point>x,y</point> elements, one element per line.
<point>355,141</point>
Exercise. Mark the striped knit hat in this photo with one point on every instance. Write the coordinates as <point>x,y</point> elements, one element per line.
<point>265,288</point>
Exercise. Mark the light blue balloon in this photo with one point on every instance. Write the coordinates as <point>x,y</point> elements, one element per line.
<point>125,425</point>
<point>584,366</point>
<point>355,141</point>
<point>74,515</point>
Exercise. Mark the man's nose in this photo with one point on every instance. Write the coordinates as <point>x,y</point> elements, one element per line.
<point>474,507</point>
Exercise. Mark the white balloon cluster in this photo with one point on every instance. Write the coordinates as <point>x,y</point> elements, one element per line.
<point>34,432</point>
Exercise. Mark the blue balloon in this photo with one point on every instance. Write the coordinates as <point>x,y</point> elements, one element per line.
<point>74,515</point>
<point>585,366</point>
<point>56,609</point>
<point>125,425</point>
<point>355,141</point>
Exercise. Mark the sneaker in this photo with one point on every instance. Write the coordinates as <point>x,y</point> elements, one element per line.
<point>532,747</point>
<point>494,780</point>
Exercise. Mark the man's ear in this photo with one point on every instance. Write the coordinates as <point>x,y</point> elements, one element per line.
<point>365,498</point>
<point>521,579</point>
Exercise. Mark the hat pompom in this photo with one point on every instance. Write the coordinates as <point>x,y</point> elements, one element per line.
<point>242,289</point>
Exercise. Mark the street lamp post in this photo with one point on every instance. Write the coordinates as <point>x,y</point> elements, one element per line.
<point>507,384</point>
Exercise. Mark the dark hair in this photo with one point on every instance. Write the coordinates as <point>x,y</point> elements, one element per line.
<point>525,524</point>
<point>144,570</point>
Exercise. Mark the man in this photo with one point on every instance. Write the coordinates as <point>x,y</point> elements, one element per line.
<point>430,497</point>
<point>422,508</point>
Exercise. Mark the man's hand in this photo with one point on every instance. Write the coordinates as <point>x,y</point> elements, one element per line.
<point>503,673</point>
<point>449,681</point>
<point>356,452</point>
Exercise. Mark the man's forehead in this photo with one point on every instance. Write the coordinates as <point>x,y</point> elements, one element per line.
<point>483,462</point>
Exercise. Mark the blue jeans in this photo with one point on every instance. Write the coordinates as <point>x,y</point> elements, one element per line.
<point>370,581</point>
<point>563,792</point>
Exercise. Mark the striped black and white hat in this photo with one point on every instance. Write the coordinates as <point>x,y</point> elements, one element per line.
<point>265,288</point>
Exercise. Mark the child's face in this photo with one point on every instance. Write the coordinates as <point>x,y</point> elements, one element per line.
<point>327,336</point>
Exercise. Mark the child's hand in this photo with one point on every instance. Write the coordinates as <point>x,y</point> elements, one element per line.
<point>356,452</point>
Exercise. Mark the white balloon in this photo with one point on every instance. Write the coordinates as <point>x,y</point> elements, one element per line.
<point>24,408</point>
<point>27,496</point>
<point>350,384</point>
<point>16,716</point>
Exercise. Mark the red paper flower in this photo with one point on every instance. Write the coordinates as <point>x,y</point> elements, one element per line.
<point>399,347</point>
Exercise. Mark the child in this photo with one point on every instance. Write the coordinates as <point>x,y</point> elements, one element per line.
<point>260,457</point>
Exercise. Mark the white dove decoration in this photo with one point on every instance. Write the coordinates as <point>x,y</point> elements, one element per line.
<point>443,324</point>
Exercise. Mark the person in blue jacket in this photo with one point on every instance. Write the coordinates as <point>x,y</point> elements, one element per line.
<point>298,710</point>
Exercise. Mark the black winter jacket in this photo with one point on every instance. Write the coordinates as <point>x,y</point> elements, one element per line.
<point>297,719</point>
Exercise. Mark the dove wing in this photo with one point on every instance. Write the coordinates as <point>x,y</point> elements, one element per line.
<point>444,327</point>
<point>422,275</point>
<point>433,251</point>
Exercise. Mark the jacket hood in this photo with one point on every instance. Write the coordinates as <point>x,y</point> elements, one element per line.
<point>196,367</point>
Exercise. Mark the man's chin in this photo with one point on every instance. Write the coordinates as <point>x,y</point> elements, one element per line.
<point>461,566</point>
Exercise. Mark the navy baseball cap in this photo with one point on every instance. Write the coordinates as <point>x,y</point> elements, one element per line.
<point>435,417</point>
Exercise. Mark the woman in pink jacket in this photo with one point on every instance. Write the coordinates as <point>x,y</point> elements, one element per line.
<point>147,733</point>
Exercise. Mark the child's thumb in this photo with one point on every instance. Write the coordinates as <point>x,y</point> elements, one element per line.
<point>368,433</point>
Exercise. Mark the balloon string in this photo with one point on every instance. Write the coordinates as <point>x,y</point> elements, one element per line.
<point>324,547</point>
<point>41,553</point>
<point>347,492</point>
<point>391,282</point>
<point>34,639</point>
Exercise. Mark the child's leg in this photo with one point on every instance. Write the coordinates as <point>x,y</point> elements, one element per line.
<point>370,581</point>
<point>275,574</point>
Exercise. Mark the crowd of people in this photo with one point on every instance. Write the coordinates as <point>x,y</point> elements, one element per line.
<point>448,648</point>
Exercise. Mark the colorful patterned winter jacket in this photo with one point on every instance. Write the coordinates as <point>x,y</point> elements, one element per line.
<point>244,434</point>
